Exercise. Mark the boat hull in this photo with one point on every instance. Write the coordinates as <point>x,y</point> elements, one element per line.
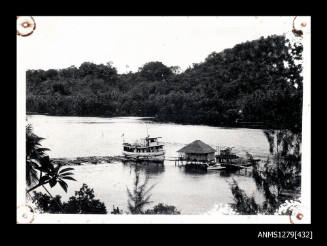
<point>215,167</point>
<point>152,156</point>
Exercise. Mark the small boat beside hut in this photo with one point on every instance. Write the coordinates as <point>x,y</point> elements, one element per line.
<point>147,149</point>
<point>226,158</point>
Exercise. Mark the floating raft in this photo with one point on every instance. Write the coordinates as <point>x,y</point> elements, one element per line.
<point>88,159</point>
<point>96,160</point>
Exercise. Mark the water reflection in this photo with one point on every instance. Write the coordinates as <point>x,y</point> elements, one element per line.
<point>146,167</point>
<point>194,171</point>
<point>226,173</point>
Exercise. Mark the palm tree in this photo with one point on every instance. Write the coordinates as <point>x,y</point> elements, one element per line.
<point>34,152</point>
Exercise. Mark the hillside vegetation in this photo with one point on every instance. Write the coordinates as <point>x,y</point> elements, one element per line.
<point>255,81</point>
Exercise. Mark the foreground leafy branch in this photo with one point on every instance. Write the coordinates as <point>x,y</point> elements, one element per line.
<point>40,170</point>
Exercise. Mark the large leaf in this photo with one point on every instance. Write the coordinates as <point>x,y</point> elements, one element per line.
<point>45,160</point>
<point>68,177</point>
<point>47,165</point>
<point>57,168</point>
<point>44,179</point>
<point>65,170</point>
<point>67,174</point>
<point>43,149</point>
<point>34,163</point>
<point>52,182</point>
<point>63,185</point>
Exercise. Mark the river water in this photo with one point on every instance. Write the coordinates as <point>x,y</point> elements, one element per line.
<point>191,193</point>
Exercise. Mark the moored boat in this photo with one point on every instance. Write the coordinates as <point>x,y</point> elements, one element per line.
<point>147,149</point>
<point>230,160</point>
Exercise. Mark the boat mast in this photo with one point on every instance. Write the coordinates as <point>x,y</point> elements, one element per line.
<point>147,131</point>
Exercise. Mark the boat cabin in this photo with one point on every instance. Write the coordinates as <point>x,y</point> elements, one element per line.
<point>227,156</point>
<point>146,145</point>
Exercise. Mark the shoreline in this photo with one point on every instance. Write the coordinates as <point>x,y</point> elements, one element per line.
<point>243,125</point>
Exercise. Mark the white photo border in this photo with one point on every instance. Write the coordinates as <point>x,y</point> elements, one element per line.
<point>164,219</point>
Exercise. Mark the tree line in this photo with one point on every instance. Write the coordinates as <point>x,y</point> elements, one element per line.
<point>255,81</point>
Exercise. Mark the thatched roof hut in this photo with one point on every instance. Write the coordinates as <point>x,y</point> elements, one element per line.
<point>198,151</point>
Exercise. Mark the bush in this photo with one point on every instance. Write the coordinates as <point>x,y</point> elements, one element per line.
<point>47,204</point>
<point>162,209</point>
<point>116,210</point>
<point>82,203</point>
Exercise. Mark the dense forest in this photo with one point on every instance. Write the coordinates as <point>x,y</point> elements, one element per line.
<point>255,81</point>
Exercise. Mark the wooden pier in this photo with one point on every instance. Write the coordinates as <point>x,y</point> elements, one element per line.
<point>191,164</point>
<point>234,166</point>
<point>188,164</point>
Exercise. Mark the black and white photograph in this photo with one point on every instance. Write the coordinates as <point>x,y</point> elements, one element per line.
<point>164,119</point>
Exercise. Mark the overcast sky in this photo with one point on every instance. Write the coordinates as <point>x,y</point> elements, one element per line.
<point>130,42</point>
